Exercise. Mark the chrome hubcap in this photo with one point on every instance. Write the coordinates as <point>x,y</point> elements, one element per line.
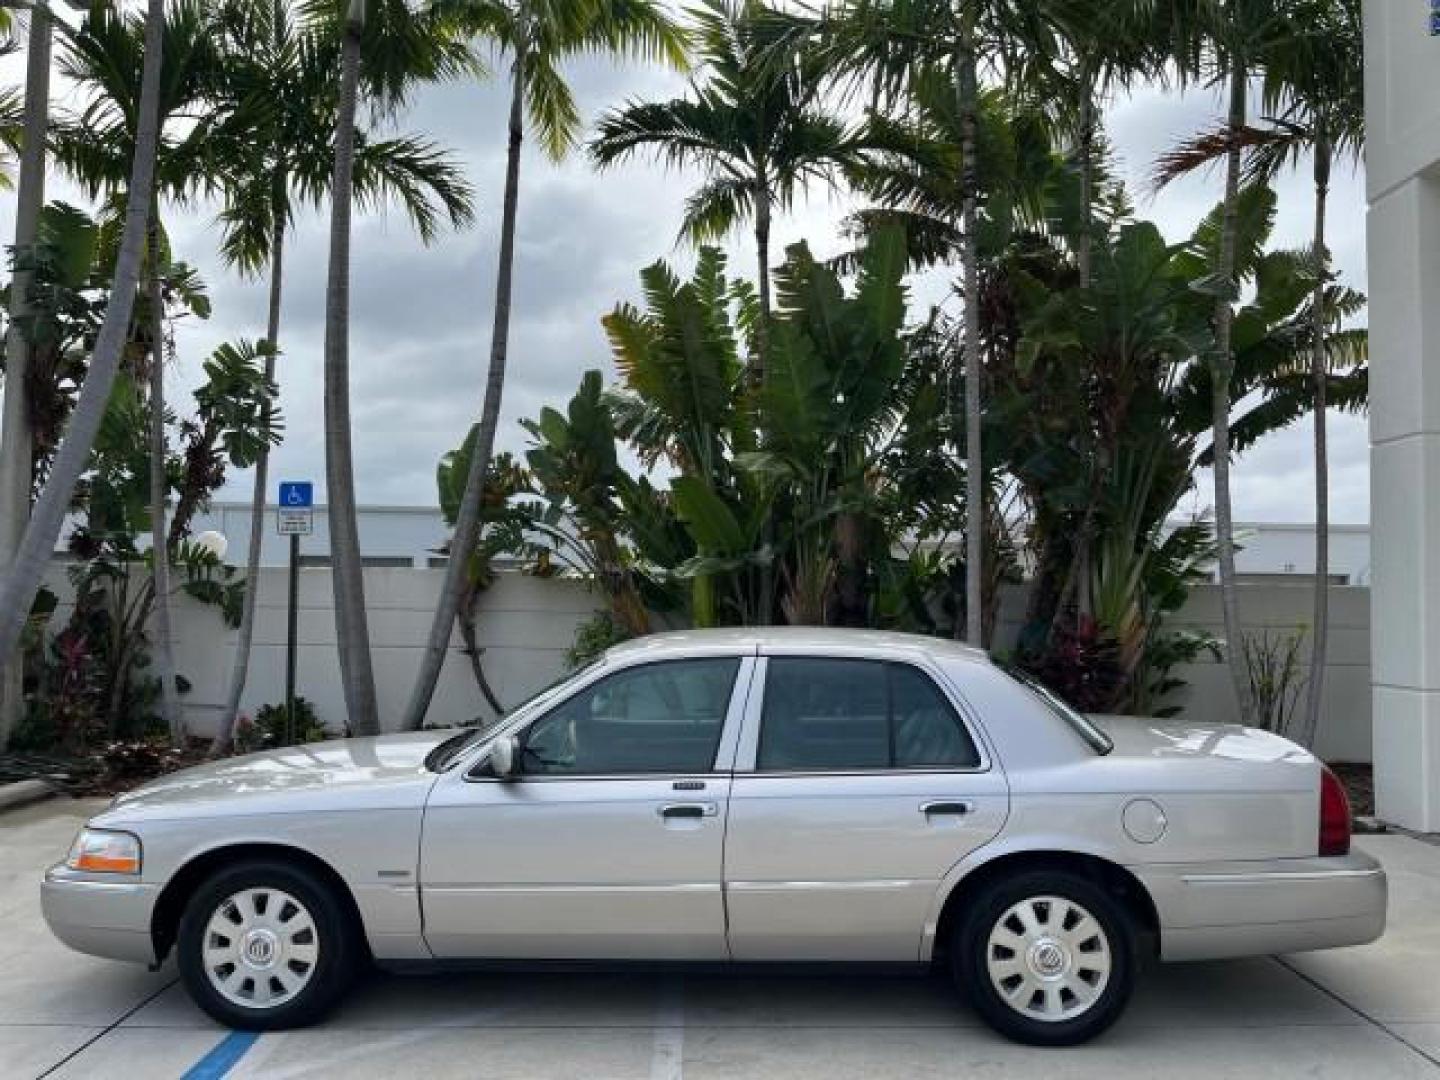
<point>1048,958</point>
<point>260,948</point>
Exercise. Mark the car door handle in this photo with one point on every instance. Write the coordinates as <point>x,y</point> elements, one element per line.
<point>689,810</point>
<point>946,808</point>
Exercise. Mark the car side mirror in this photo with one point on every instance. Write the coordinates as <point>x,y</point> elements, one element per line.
<point>505,757</point>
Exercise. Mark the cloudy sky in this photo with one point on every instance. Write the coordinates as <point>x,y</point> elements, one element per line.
<point>421,316</point>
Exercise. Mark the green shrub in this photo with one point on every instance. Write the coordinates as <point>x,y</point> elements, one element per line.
<point>271,728</point>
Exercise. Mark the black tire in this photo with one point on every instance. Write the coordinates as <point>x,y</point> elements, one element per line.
<point>338,944</point>
<point>1012,1015</point>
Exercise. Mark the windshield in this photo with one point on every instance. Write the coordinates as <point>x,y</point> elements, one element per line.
<point>1081,724</point>
<point>445,754</point>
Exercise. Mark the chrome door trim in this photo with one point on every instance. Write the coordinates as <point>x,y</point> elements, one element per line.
<point>749,746</point>
<point>823,886</point>
<point>579,888</point>
<point>740,697</point>
<point>1271,877</point>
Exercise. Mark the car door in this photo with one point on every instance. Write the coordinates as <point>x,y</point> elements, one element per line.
<point>858,785</point>
<point>607,844</point>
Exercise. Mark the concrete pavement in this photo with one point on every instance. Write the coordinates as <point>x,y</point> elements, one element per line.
<point>1371,1012</point>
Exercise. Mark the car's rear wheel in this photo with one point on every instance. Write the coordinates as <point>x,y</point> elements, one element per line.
<point>1048,958</point>
<point>266,945</point>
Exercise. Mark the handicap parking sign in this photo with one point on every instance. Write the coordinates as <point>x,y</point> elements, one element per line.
<point>297,494</point>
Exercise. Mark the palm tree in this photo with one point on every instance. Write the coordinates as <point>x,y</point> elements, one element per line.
<point>1108,44</point>
<point>890,42</point>
<point>383,45</point>
<point>755,126</point>
<point>159,483</point>
<point>346,570</point>
<point>105,59</point>
<point>537,36</point>
<point>1226,43</point>
<point>15,465</point>
<point>285,159</point>
<point>1314,104</point>
<point>22,579</point>
<point>1320,84</point>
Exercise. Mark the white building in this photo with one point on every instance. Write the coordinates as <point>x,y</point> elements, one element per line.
<point>1402,91</point>
<point>411,536</point>
<point>390,536</point>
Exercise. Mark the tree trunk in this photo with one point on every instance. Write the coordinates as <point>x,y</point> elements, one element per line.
<point>762,255</point>
<point>1087,172</point>
<point>347,573</point>
<point>1076,588</point>
<point>469,634</point>
<point>15,450</point>
<point>22,579</point>
<point>1221,368</point>
<point>851,602</point>
<point>467,521</point>
<point>241,670</point>
<point>970,275</point>
<point>160,493</point>
<point>1319,641</point>
<point>765,607</point>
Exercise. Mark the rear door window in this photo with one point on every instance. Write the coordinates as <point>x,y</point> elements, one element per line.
<point>857,715</point>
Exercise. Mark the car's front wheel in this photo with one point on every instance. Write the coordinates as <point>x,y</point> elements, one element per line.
<point>1048,958</point>
<point>265,945</point>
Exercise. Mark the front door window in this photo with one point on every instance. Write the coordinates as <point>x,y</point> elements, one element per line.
<point>656,718</point>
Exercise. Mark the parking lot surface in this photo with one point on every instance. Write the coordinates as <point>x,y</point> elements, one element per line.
<point>1372,1012</point>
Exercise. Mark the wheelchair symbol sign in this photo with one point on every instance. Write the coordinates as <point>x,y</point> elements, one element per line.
<point>297,495</point>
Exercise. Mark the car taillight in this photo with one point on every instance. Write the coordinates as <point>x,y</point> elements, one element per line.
<point>1334,815</point>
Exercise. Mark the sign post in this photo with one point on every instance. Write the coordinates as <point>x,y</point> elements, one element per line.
<point>295,518</point>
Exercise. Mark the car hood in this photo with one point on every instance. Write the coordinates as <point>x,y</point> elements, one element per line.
<point>379,771</point>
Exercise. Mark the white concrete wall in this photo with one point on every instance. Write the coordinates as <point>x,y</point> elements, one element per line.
<point>1344,733</point>
<point>527,624</point>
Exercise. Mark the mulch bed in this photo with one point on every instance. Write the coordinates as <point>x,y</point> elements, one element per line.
<point>1359,780</point>
<point>108,770</point>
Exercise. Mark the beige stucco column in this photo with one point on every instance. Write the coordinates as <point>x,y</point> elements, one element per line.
<point>1403,167</point>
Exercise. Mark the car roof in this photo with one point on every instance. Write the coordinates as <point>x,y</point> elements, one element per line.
<point>755,639</point>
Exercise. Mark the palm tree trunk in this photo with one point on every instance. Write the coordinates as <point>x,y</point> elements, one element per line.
<point>970,274</point>
<point>241,669</point>
<point>22,579</point>
<point>1319,641</point>
<point>766,602</point>
<point>467,520</point>
<point>347,572</point>
<point>1075,589</point>
<point>762,255</point>
<point>160,492</point>
<point>1087,172</point>
<point>1221,369</point>
<point>15,450</point>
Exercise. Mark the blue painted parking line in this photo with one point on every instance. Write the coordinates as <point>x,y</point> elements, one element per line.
<point>224,1057</point>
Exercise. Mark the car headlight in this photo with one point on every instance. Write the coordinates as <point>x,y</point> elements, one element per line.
<point>103,851</point>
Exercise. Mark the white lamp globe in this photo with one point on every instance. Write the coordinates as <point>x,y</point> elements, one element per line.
<point>213,542</point>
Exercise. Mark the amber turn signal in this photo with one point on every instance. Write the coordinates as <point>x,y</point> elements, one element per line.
<point>100,851</point>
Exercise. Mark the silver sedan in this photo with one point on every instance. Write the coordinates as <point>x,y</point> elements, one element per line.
<point>748,797</point>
